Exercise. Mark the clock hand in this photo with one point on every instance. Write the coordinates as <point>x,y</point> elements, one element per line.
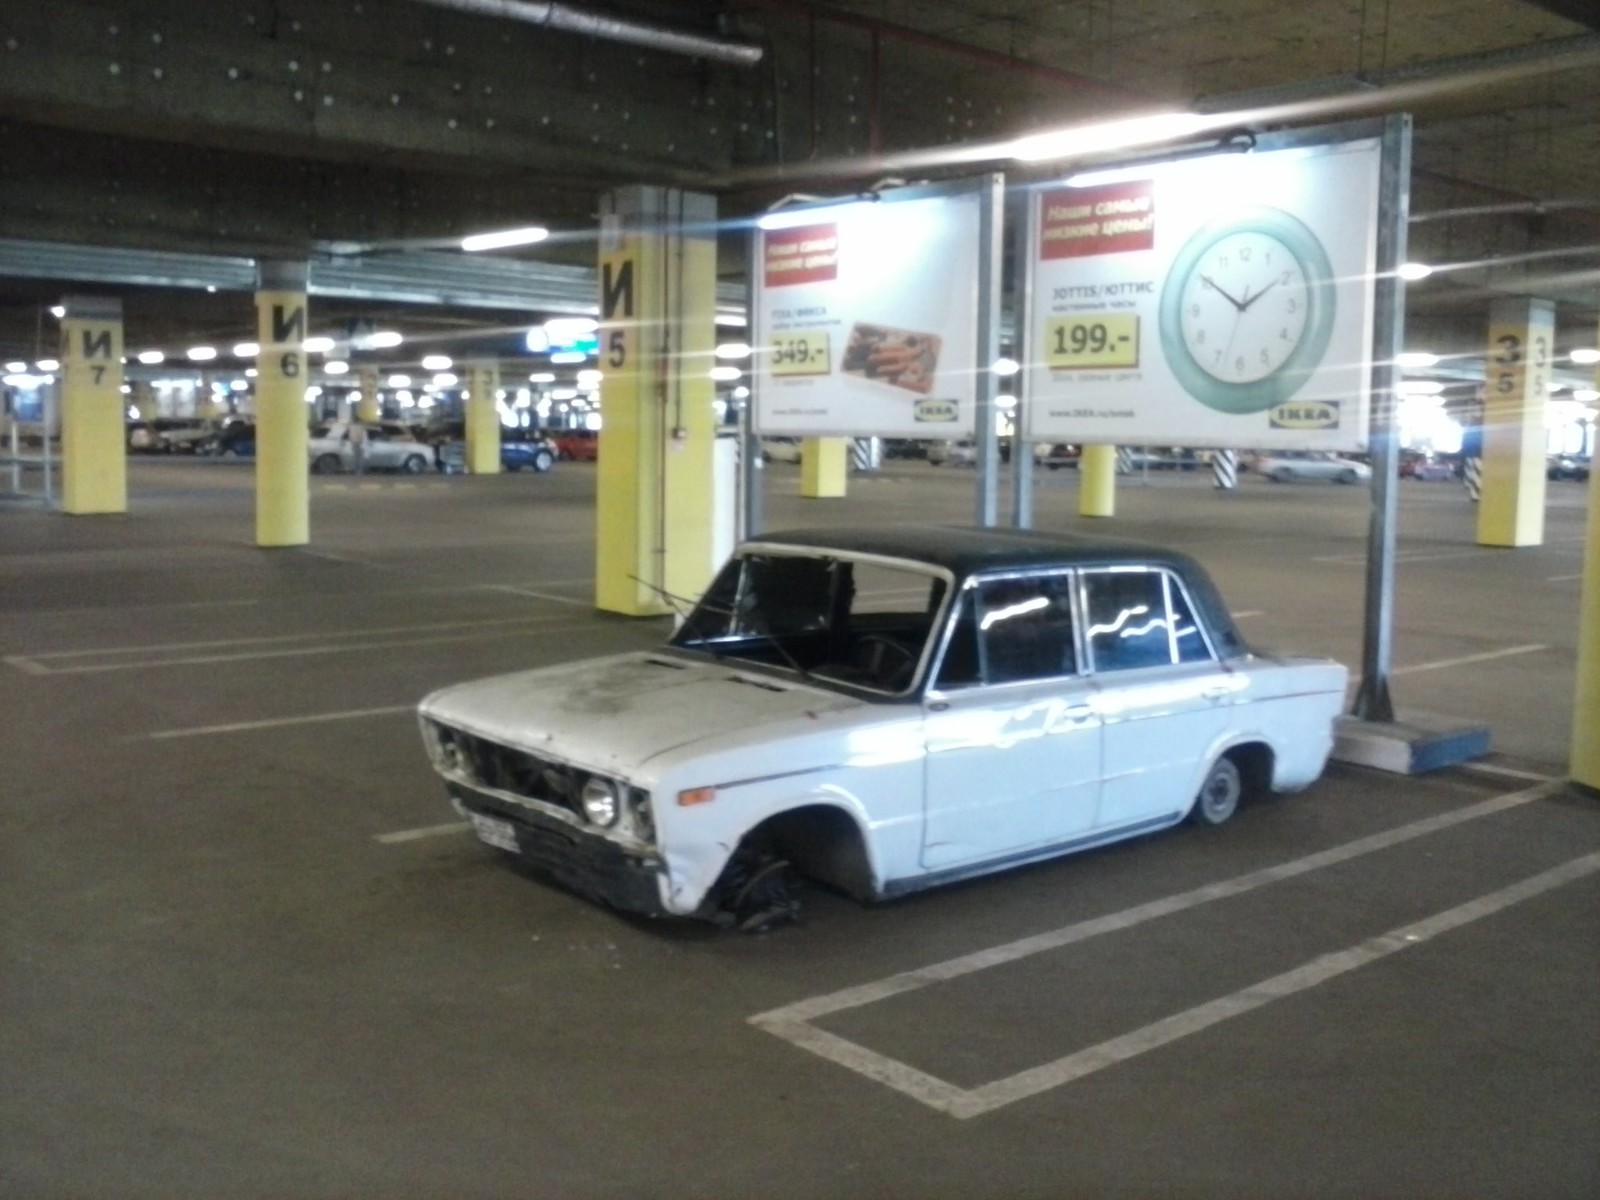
<point>1249,300</point>
<point>1213,285</point>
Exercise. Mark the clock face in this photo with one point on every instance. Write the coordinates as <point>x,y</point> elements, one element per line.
<point>1247,310</point>
<point>1244,307</point>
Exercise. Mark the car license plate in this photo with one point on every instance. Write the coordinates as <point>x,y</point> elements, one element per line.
<point>496,833</point>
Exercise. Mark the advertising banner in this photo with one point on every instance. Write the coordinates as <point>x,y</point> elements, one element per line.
<point>1222,301</point>
<point>866,320</point>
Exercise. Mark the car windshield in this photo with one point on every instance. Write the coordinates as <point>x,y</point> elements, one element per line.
<point>864,623</point>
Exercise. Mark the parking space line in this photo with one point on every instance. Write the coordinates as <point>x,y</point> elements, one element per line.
<point>793,1021</point>
<point>426,831</point>
<point>351,714</point>
<point>1505,772</point>
<point>1249,612</point>
<point>1467,659</point>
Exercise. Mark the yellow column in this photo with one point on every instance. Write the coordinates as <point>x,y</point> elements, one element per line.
<point>369,379</point>
<point>483,418</point>
<point>1586,697</point>
<point>824,467</point>
<point>283,502</point>
<point>94,452</point>
<point>1516,384</point>
<point>1097,482</point>
<point>658,255</point>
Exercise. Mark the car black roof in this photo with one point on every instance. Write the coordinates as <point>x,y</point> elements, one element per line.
<point>967,550</point>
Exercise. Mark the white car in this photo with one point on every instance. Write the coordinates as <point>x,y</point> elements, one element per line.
<point>883,711</point>
<point>780,449</point>
<point>391,446</point>
<point>963,453</point>
<point>1288,465</point>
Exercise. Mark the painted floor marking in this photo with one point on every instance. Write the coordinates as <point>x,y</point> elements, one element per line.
<point>1562,578</point>
<point>793,1022</point>
<point>1505,772</point>
<point>1249,612</point>
<point>351,714</point>
<point>426,831</point>
<point>1405,556</point>
<point>1466,659</point>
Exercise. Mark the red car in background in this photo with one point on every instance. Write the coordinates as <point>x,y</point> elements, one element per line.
<point>576,445</point>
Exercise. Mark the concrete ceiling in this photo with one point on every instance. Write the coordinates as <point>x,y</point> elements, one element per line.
<point>281,127</point>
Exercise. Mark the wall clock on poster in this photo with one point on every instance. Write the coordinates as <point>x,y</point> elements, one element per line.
<point>1247,310</point>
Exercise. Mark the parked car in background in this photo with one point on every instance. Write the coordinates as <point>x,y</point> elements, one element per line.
<point>883,710</point>
<point>168,435</point>
<point>526,449</point>
<point>391,446</point>
<point>962,453</point>
<point>1567,466</point>
<point>1428,468</point>
<point>576,445</point>
<point>1056,455</point>
<point>1286,466</point>
<point>235,439</point>
<point>780,449</point>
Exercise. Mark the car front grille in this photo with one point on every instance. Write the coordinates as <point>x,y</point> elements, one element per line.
<point>504,768</point>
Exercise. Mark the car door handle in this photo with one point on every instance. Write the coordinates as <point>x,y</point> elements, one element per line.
<point>1217,692</point>
<point>1079,712</point>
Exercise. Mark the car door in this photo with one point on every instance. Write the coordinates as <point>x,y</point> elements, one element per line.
<point>1011,727</point>
<point>1164,698</point>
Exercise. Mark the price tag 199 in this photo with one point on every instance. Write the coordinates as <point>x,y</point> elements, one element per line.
<point>1092,341</point>
<point>802,352</point>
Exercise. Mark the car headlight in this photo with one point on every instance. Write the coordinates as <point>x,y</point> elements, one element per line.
<point>600,801</point>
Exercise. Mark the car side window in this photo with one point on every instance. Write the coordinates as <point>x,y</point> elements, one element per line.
<point>1129,626</point>
<point>1186,635</point>
<point>1023,628</point>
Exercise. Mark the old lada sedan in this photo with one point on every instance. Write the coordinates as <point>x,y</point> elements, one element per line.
<point>883,710</point>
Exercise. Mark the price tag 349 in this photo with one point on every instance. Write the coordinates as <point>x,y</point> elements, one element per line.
<point>803,352</point>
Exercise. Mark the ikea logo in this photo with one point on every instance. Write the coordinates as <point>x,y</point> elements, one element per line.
<point>1318,414</point>
<point>936,411</point>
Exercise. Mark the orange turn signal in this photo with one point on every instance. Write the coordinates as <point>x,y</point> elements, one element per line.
<point>703,795</point>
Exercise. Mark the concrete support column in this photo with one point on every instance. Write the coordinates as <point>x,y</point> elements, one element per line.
<point>654,513</point>
<point>369,379</point>
<point>824,467</point>
<point>94,450</point>
<point>483,418</point>
<point>1097,482</point>
<point>1516,384</point>
<point>1586,696</point>
<point>283,497</point>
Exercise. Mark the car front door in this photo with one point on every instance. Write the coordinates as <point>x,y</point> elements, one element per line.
<point>1012,729</point>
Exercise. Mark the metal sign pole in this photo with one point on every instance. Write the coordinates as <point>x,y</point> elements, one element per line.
<point>1022,449</point>
<point>990,256</point>
<point>1373,702</point>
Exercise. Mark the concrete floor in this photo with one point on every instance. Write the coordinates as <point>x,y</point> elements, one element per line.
<point>221,976</point>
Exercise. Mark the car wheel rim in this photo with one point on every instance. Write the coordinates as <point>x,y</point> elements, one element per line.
<point>1219,797</point>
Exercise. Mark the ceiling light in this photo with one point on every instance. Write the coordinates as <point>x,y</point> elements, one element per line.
<point>313,392</point>
<point>1586,395</point>
<point>740,392</point>
<point>1414,270</point>
<point>201,353</point>
<point>336,366</point>
<point>1416,358</point>
<point>317,345</point>
<point>152,357</point>
<point>384,339</point>
<point>58,311</point>
<point>732,320</point>
<point>569,356</point>
<point>565,329</point>
<point>733,350</point>
<point>47,365</point>
<point>537,340</point>
<point>246,350</point>
<point>589,379</point>
<point>1420,387</point>
<point>16,368</point>
<point>725,374</point>
<point>1005,401</point>
<point>239,385</point>
<point>1006,366</point>
<point>250,372</point>
<point>437,362</point>
<point>398,381</point>
<point>525,236</point>
<point>1079,140</point>
<point>445,379</point>
<point>542,377</point>
<point>1585,357</point>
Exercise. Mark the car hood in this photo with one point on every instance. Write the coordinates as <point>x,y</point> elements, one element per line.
<point>615,714</point>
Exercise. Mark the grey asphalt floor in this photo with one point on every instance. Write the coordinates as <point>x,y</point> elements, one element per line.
<point>246,951</point>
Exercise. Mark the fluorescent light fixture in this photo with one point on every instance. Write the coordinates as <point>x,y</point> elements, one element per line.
<point>589,379</point>
<point>565,329</point>
<point>16,368</point>
<point>564,394</point>
<point>239,385</point>
<point>740,392</point>
<point>1005,401</point>
<point>58,311</point>
<point>201,353</point>
<point>127,389</point>
<point>445,379</point>
<point>504,238</point>
<point>313,392</point>
<point>1078,140</point>
<point>537,340</point>
<point>725,374</point>
<point>398,381</point>
<point>151,358</point>
<point>1414,271</point>
<point>318,345</point>
<point>732,320</point>
<point>19,380</point>
<point>405,398</point>
<point>569,356</point>
<point>1586,395</point>
<point>437,362</point>
<point>246,350</point>
<point>425,402</point>
<point>1006,366</point>
<point>733,350</point>
<point>1416,358</point>
<point>384,339</point>
<point>336,366</point>
<point>1420,387</point>
<point>542,377</point>
<point>48,365</point>
<point>251,372</point>
<point>1585,356</point>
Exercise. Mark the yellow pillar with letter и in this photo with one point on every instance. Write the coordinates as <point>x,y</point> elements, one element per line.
<point>94,451</point>
<point>1586,697</point>
<point>483,418</point>
<point>283,497</point>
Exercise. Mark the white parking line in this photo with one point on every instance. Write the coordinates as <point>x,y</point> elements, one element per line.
<point>1561,578</point>
<point>426,831</point>
<point>1249,612</point>
<point>793,1021</point>
<point>351,714</point>
<point>1466,659</point>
